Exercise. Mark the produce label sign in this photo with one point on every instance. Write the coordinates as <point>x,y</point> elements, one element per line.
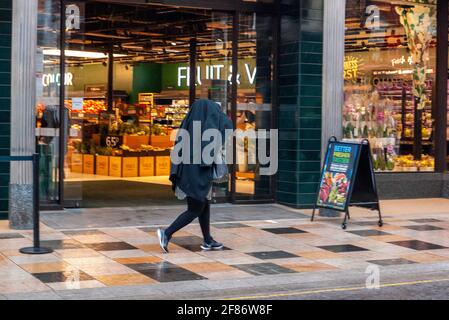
<point>337,177</point>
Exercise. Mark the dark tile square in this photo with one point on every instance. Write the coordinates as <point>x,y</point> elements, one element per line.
<point>391,262</point>
<point>61,244</point>
<point>343,248</point>
<point>49,277</point>
<point>190,240</point>
<point>82,232</point>
<point>369,233</point>
<point>267,255</point>
<point>424,227</point>
<point>368,223</point>
<point>111,246</point>
<point>284,230</point>
<point>229,225</point>
<point>418,245</point>
<point>171,275</point>
<point>165,272</point>
<point>191,243</point>
<point>146,266</point>
<point>425,220</point>
<point>259,269</point>
<point>11,236</point>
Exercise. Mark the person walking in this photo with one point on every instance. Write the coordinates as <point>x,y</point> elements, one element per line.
<point>193,180</point>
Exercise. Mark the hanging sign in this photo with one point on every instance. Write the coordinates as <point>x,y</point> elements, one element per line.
<point>347,179</point>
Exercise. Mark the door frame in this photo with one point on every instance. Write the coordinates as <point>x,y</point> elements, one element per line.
<point>235,7</point>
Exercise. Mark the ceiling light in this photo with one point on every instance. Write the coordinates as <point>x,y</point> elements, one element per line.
<point>79,54</point>
<point>173,43</point>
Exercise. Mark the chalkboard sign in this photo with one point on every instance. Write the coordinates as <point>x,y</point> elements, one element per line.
<point>347,179</point>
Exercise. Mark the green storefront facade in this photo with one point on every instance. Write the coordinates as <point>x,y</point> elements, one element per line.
<point>5,101</point>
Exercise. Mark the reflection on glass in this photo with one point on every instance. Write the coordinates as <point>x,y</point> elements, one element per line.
<point>253,102</point>
<point>214,70</point>
<point>389,70</point>
<point>47,97</point>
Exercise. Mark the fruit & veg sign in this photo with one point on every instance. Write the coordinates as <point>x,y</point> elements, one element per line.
<point>338,175</point>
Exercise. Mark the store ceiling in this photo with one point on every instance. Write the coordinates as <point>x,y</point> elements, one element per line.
<point>390,34</point>
<point>157,33</point>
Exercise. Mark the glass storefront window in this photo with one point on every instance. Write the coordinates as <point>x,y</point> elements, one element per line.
<point>107,109</point>
<point>389,72</point>
<point>254,105</point>
<point>48,81</point>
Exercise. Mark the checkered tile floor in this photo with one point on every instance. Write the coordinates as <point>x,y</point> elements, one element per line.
<point>131,256</point>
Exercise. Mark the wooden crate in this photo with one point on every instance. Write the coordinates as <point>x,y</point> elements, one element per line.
<point>161,141</point>
<point>146,166</point>
<point>130,167</point>
<point>102,165</point>
<point>115,166</point>
<point>89,163</point>
<point>162,165</point>
<point>134,142</point>
<point>76,164</point>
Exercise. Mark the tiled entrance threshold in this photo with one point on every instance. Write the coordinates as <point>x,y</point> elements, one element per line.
<point>129,256</point>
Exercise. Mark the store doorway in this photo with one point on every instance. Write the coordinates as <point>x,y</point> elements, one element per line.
<point>130,74</point>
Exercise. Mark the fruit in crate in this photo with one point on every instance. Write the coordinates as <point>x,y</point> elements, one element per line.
<point>408,133</point>
<point>397,117</point>
<point>426,133</point>
<point>93,106</point>
<point>427,162</point>
<point>146,147</point>
<point>409,117</point>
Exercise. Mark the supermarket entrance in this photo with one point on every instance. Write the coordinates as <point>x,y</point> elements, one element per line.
<point>131,71</point>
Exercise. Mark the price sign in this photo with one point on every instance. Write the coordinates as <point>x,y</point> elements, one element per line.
<point>113,141</point>
<point>77,104</point>
<point>147,99</point>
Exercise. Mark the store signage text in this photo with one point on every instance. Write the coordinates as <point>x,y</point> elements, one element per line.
<point>73,20</point>
<point>351,68</point>
<point>402,61</point>
<point>215,72</point>
<point>55,78</point>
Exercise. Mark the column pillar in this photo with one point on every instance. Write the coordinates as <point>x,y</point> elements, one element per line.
<point>23,98</point>
<point>333,82</point>
<point>333,59</point>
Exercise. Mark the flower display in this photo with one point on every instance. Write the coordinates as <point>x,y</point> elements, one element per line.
<point>419,25</point>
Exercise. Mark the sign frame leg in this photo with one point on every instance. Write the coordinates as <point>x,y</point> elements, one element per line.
<point>344,224</point>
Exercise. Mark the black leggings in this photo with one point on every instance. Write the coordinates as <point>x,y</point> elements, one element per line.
<point>195,209</point>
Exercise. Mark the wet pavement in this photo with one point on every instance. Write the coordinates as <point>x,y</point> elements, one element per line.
<point>278,254</point>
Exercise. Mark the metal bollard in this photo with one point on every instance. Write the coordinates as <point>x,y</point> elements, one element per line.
<point>36,248</point>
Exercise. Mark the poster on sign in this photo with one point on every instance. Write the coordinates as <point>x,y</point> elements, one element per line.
<point>336,179</point>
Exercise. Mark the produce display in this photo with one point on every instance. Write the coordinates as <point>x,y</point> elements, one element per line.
<point>368,116</point>
<point>406,163</point>
<point>377,115</point>
<point>89,106</point>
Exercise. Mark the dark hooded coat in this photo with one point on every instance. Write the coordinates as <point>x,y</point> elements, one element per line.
<point>195,180</point>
